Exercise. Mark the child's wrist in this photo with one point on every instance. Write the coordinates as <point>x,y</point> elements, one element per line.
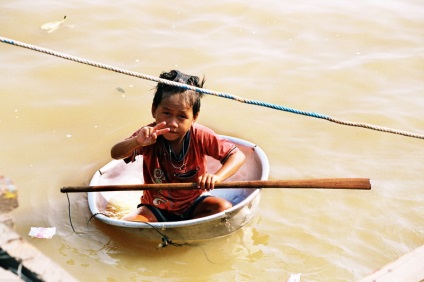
<point>136,143</point>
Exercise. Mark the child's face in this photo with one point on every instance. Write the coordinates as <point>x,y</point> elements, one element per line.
<point>177,115</point>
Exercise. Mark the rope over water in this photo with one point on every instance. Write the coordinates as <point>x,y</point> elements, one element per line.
<point>209,92</point>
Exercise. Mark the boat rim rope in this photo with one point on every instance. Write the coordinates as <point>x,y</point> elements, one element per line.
<point>206,91</point>
<point>165,240</point>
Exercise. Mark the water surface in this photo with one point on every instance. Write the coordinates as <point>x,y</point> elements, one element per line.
<point>360,61</point>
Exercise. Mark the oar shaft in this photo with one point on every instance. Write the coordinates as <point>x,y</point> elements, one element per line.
<point>325,183</point>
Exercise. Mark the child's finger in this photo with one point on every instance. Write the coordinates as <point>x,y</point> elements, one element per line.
<point>159,129</point>
<point>159,125</point>
<point>146,132</point>
<point>162,131</point>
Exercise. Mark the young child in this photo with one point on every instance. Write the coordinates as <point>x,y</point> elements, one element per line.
<point>174,149</point>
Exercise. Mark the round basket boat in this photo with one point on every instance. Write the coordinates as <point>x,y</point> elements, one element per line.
<point>245,200</point>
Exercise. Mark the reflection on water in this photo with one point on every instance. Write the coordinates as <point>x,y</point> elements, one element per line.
<point>361,62</point>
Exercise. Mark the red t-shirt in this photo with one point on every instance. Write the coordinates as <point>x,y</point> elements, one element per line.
<point>158,167</point>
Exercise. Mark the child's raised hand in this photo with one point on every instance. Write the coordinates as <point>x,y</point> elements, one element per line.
<point>148,135</point>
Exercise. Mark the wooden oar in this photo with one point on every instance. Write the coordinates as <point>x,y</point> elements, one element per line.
<point>325,183</point>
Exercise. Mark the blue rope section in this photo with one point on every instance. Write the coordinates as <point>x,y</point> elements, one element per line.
<point>286,109</point>
<point>209,92</point>
<point>256,102</point>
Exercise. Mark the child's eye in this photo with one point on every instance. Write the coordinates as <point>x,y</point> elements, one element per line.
<point>182,116</point>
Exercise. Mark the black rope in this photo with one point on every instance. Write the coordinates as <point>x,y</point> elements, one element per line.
<point>165,240</point>
<point>69,212</point>
<point>94,215</point>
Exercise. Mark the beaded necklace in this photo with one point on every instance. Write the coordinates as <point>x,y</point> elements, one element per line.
<point>182,157</point>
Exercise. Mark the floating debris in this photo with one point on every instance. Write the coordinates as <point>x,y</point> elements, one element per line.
<point>52,26</point>
<point>42,232</point>
<point>8,195</point>
<point>295,277</point>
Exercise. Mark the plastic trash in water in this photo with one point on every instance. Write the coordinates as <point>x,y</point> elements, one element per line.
<point>7,187</point>
<point>295,277</point>
<point>8,195</point>
<point>52,26</point>
<point>42,232</point>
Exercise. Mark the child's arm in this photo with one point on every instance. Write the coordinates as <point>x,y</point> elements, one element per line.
<point>146,136</point>
<point>228,168</point>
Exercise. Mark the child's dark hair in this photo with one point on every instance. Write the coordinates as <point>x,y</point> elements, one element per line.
<point>192,97</point>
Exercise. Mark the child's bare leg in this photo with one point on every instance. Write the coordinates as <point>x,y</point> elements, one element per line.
<point>143,214</point>
<point>211,205</point>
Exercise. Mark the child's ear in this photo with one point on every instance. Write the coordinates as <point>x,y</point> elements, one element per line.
<point>195,117</point>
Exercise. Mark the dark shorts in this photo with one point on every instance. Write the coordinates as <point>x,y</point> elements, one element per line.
<point>165,216</point>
